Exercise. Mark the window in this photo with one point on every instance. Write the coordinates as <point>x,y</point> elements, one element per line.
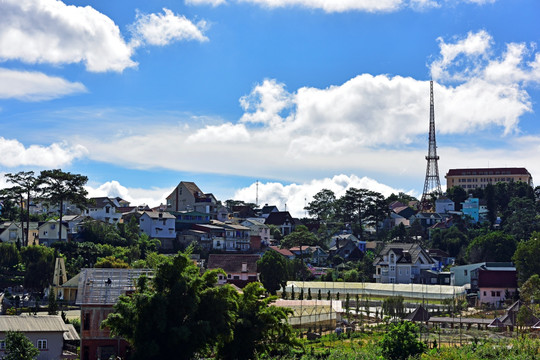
<point>53,226</point>
<point>465,272</point>
<point>107,209</point>
<point>484,293</point>
<point>493,293</point>
<point>498,294</point>
<point>42,344</point>
<point>86,322</point>
<point>2,344</point>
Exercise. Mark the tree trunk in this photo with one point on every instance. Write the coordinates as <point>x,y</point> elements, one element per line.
<point>60,222</point>
<point>22,222</point>
<point>27,218</point>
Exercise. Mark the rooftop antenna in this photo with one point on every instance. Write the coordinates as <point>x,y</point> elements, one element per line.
<point>432,183</point>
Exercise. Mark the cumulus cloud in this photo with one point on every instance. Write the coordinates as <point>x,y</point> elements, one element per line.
<point>338,6</point>
<point>294,197</point>
<point>374,124</point>
<point>331,6</point>
<point>55,155</point>
<point>35,86</point>
<point>49,31</point>
<point>136,196</point>
<point>206,2</point>
<point>165,28</point>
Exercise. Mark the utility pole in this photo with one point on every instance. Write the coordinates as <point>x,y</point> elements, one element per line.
<point>432,182</point>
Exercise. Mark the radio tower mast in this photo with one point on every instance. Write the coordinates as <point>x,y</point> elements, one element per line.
<point>432,183</point>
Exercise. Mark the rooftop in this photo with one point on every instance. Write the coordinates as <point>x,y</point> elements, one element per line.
<point>104,286</point>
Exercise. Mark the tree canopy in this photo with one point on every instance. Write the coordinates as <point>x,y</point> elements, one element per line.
<point>177,309</point>
<point>401,341</point>
<point>273,269</point>
<point>58,187</point>
<point>181,309</point>
<point>19,347</point>
<point>527,257</point>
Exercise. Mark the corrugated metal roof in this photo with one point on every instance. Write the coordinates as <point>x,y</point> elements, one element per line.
<point>104,286</point>
<point>33,323</point>
<point>71,334</point>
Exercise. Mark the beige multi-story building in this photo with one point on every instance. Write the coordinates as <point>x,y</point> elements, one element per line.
<point>481,177</point>
<point>188,197</point>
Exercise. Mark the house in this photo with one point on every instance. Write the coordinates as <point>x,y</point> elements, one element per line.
<point>404,211</point>
<point>10,232</point>
<point>188,197</point>
<point>49,232</point>
<point>283,252</point>
<point>48,333</point>
<point>209,236</point>
<point>159,225</point>
<point>74,223</point>
<point>471,209</point>
<point>426,219</point>
<point>240,269</point>
<point>342,239</point>
<point>444,205</point>
<point>258,229</point>
<point>495,285</point>
<point>98,292</point>
<point>465,274</point>
<point>104,209</point>
<point>347,249</point>
<point>314,255</point>
<point>402,263</point>
<point>442,258</point>
<point>237,237</point>
<point>282,220</point>
<point>435,277</point>
<point>267,210</point>
<point>185,219</point>
<point>243,211</point>
<point>394,220</point>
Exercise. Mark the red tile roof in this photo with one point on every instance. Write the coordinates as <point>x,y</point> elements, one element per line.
<point>284,252</point>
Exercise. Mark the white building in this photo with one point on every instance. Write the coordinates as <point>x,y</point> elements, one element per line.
<point>104,210</point>
<point>402,263</point>
<point>159,225</point>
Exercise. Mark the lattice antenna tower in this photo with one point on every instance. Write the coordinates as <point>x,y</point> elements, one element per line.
<point>432,183</point>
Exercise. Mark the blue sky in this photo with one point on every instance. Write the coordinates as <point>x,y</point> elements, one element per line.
<point>298,94</point>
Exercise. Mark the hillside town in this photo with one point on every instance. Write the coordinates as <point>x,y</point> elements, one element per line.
<point>353,261</point>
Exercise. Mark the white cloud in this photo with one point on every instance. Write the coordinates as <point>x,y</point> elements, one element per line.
<point>472,48</point>
<point>56,155</point>
<point>35,86</point>
<point>225,133</point>
<point>368,125</point>
<point>206,2</point>
<point>49,31</point>
<point>333,5</point>
<point>295,196</point>
<point>424,4</point>
<point>163,29</point>
<point>136,196</point>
